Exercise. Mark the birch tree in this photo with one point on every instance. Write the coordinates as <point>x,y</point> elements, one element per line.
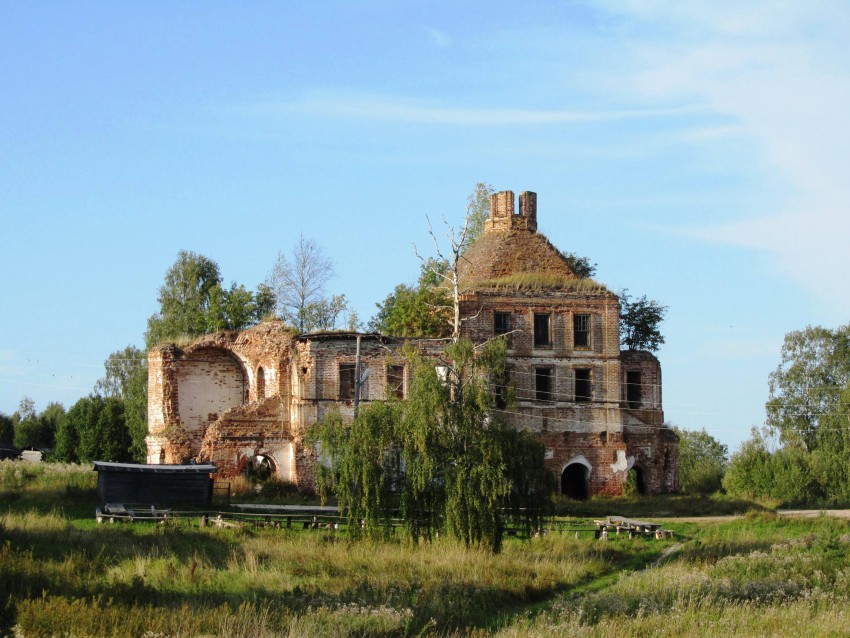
<point>298,280</point>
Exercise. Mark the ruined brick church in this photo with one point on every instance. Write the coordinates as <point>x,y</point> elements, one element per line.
<point>243,399</point>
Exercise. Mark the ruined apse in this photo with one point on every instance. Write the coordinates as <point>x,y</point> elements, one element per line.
<point>245,398</point>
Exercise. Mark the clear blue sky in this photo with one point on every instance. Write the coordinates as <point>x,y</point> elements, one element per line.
<point>698,152</point>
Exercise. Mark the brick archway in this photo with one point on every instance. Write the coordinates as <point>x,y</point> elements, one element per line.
<point>575,480</point>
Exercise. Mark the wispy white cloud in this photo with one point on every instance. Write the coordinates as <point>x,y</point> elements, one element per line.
<point>383,107</point>
<point>439,39</point>
<point>779,70</point>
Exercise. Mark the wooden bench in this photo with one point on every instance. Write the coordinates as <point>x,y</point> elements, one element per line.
<point>633,527</point>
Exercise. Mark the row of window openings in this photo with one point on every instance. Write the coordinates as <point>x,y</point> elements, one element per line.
<point>543,384</point>
<point>542,332</point>
<point>395,381</point>
<point>583,390</point>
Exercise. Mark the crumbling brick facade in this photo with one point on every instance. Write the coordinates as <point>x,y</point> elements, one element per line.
<point>224,398</point>
<point>234,398</point>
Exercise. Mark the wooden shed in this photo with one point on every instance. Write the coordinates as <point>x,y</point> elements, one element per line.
<point>154,484</point>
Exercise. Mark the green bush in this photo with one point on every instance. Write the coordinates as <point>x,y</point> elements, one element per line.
<point>630,487</point>
<point>787,475</point>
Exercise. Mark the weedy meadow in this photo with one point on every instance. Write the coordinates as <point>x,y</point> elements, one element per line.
<point>63,575</point>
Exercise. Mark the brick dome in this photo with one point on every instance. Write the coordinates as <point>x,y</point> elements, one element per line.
<point>511,245</point>
<point>498,254</point>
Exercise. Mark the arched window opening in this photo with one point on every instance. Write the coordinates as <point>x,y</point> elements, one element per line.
<point>261,384</point>
<point>574,481</point>
<point>259,468</point>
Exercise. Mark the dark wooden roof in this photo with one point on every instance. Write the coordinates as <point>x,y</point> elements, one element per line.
<point>108,466</point>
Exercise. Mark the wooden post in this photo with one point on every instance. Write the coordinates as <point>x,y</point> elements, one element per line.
<point>357,379</point>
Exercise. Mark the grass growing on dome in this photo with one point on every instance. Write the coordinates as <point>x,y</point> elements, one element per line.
<point>544,281</point>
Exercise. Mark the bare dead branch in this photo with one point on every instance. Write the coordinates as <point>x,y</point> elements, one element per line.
<point>505,334</point>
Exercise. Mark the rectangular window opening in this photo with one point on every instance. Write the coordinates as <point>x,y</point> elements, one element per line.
<point>543,384</point>
<point>581,331</point>
<point>501,323</point>
<point>395,382</point>
<point>500,389</point>
<point>346,381</point>
<point>583,391</point>
<point>633,389</point>
<point>542,338</point>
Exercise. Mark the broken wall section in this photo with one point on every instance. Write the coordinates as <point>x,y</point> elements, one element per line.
<point>192,387</point>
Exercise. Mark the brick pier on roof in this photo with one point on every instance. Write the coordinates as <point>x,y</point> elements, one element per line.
<point>246,397</point>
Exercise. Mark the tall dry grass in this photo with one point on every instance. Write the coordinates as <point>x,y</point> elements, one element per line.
<point>64,575</point>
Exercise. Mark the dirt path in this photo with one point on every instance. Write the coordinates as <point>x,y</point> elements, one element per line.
<point>668,551</point>
<point>813,513</point>
<point>695,519</point>
<point>845,514</point>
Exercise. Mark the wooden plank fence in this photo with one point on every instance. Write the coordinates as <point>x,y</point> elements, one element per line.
<point>331,519</point>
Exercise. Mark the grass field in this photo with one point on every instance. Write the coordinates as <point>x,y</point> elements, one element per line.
<point>63,575</point>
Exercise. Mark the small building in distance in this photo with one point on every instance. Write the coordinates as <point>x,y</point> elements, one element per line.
<point>243,399</point>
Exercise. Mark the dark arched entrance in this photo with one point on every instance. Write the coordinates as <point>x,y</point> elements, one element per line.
<point>574,481</point>
<point>640,480</point>
<point>260,468</point>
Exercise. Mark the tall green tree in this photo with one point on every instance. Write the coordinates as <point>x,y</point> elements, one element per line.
<point>814,370</point>
<point>452,462</point>
<point>25,412</point>
<point>126,379</point>
<point>240,307</point>
<point>36,430</point>
<point>110,430</point>
<point>68,435</point>
<point>95,430</point>
<point>264,301</point>
<point>184,298</point>
<point>325,314</point>
<point>809,410</point>
<point>440,457</point>
<point>31,433</point>
<point>786,474</point>
<point>136,412</point>
<point>120,366</point>
<point>831,458</point>
<point>477,212</point>
<point>52,418</point>
<point>7,429</point>
<point>193,302</point>
<point>702,461</point>
<point>422,310</point>
<point>750,472</point>
<point>640,321</point>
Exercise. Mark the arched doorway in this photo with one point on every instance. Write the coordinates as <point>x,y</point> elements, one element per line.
<point>260,468</point>
<point>574,481</point>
